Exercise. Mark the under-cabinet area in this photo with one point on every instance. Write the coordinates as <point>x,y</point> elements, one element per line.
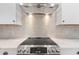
<point>39,29</point>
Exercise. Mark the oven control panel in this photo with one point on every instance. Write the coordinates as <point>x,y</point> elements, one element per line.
<point>38,50</point>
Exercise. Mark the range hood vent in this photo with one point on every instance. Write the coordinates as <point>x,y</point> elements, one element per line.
<point>38,8</point>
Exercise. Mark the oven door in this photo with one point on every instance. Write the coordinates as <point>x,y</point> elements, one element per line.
<point>38,50</point>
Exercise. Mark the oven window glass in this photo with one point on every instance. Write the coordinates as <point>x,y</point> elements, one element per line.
<point>38,50</point>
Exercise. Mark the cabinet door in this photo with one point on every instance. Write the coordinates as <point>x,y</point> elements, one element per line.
<point>69,13</point>
<point>7,13</point>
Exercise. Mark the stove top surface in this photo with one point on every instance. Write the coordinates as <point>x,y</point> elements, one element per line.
<point>38,41</point>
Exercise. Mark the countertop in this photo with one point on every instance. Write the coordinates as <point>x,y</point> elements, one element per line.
<point>10,43</point>
<point>67,43</point>
<point>63,43</point>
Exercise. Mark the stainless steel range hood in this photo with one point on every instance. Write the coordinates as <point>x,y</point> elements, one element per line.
<point>39,8</point>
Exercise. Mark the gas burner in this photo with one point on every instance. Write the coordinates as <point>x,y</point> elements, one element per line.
<point>38,45</point>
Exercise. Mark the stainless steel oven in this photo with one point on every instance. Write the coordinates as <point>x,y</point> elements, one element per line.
<point>38,46</point>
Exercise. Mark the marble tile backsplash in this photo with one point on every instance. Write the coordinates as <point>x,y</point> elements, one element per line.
<point>67,32</point>
<point>11,31</point>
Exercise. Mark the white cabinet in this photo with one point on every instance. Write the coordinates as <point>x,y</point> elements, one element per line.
<point>67,14</point>
<point>10,13</point>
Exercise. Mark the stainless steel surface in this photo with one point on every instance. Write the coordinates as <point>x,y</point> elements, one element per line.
<point>51,49</point>
<point>38,14</point>
<point>38,5</point>
<point>37,43</point>
<point>39,8</point>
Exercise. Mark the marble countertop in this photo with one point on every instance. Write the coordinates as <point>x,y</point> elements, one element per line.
<point>67,43</point>
<point>63,43</point>
<point>10,43</point>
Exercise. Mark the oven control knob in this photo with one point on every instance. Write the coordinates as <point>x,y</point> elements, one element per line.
<point>57,50</point>
<point>53,50</point>
<point>23,51</point>
<point>27,51</point>
<point>19,51</point>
